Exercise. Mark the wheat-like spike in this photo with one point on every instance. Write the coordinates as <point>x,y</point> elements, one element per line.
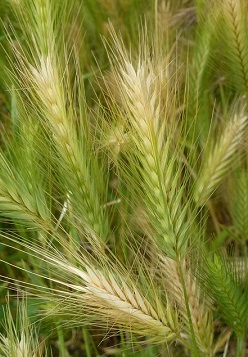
<point>151,154</point>
<point>20,338</point>
<point>220,284</point>
<point>218,161</point>
<point>127,303</point>
<point>17,200</point>
<point>198,66</point>
<point>201,315</point>
<point>123,305</point>
<point>23,185</point>
<point>111,297</point>
<point>52,100</point>
<point>239,209</point>
<point>158,163</point>
<point>46,82</point>
<point>198,85</point>
<point>106,295</point>
<point>235,31</point>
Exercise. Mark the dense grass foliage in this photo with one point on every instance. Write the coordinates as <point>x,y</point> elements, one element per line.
<point>123,178</point>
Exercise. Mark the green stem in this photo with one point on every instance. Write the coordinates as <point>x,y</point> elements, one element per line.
<point>195,352</point>
<point>240,346</point>
<point>87,342</point>
<point>61,345</point>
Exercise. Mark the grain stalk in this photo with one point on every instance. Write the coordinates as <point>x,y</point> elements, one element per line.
<point>154,157</point>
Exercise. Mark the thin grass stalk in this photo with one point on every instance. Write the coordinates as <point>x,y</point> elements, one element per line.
<point>241,342</point>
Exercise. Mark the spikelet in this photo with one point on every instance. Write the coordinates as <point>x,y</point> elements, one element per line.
<point>234,32</point>
<point>23,189</point>
<point>201,315</point>
<point>239,206</point>
<point>20,338</point>
<point>152,157</point>
<point>51,99</point>
<point>220,158</point>
<point>225,290</point>
<point>105,293</point>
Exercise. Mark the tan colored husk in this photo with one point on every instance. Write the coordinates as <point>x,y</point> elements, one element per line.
<point>219,159</point>
<point>201,315</point>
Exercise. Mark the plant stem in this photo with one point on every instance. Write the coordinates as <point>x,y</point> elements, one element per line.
<point>240,346</point>
<point>86,342</point>
<point>61,340</point>
<point>195,352</point>
<point>213,216</point>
